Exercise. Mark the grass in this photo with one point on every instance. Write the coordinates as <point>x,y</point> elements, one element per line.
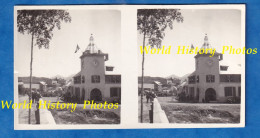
<point>85,117</point>
<point>79,116</point>
<point>200,113</point>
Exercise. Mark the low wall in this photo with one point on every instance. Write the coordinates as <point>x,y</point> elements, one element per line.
<point>45,115</point>
<point>159,115</point>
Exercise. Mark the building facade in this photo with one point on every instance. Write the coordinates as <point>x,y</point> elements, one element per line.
<point>40,86</point>
<point>212,81</point>
<point>35,86</point>
<point>95,81</point>
<point>157,86</point>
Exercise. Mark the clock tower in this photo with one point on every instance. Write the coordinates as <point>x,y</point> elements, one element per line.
<point>206,64</point>
<point>207,73</point>
<point>93,71</point>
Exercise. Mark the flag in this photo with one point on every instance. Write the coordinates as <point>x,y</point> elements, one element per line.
<point>191,49</point>
<point>77,48</point>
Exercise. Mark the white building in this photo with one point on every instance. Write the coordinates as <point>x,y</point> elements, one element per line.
<point>96,81</point>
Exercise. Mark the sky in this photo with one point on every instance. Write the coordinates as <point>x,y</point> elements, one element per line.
<point>223,27</point>
<point>60,58</point>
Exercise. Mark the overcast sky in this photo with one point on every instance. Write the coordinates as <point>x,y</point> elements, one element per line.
<point>60,58</point>
<point>223,27</point>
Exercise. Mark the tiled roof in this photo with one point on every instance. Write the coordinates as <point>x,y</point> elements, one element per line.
<point>78,74</point>
<point>157,82</point>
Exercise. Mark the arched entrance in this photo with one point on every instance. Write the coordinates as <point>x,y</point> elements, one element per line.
<point>210,95</point>
<point>96,95</point>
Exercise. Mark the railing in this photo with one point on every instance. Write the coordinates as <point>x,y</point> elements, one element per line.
<point>43,116</point>
<point>157,115</point>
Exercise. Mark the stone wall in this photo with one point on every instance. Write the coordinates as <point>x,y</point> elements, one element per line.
<point>45,115</point>
<point>159,115</point>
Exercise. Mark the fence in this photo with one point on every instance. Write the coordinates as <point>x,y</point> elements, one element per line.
<point>43,116</point>
<point>159,115</point>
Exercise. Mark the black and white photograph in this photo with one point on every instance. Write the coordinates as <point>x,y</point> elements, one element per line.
<point>191,65</point>
<point>129,66</point>
<point>67,65</point>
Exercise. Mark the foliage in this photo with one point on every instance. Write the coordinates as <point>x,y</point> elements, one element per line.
<point>153,22</point>
<point>21,90</point>
<point>40,24</point>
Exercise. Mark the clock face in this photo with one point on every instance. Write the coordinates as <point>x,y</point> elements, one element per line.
<point>95,62</point>
<point>209,62</point>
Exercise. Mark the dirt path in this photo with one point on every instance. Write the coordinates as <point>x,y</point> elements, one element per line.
<point>24,113</point>
<point>146,108</point>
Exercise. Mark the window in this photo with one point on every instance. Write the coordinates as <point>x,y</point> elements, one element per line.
<point>230,78</point>
<point>113,78</point>
<point>235,78</point>
<point>95,79</point>
<point>210,78</point>
<point>198,79</point>
<point>224,68</point>
<point>77,79</point>
<point>230,91</point>
<point>83,79</point>
<point>77,92</point>
<point>192,80</point>
<point>224,78</point>
<point>115,92</point>
<point>108,68</point>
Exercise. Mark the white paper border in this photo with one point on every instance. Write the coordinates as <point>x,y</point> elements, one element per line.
<point>129,86</point>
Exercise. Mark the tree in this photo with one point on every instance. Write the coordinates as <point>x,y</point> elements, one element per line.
<point>39,24</point>
<point>151,23</point>
<point>21,90</point>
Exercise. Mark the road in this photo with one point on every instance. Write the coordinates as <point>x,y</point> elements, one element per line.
<point>24,113</point>
<point>146,108</point>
